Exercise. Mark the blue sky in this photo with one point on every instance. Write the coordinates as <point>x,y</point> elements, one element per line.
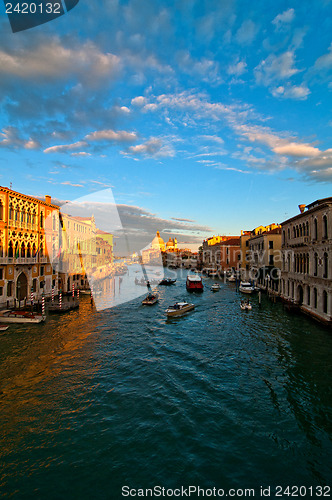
<point>202,116</point>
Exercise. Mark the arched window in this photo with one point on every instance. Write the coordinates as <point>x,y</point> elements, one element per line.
<point>297,231</point>
<point>307,228</point>
<point>10,211</point>
<point>283,237</point>
<point>1,210</point>
<point>34,251</point>
<point>17,250</point>
<point>23,250</point>
<point>294,232</point>
<point>10,250</point>
<point>326,266</point>
<point>22,217</point>
<point>308,295</point>
<point>325,235</point>
<point>41,252</point>
<point>28,216</point>
<point>315,264</point>
<point>41,219</point>
<point>33,218</point>
<point>301,230</point>
<point>288,233</point>
<point>29,251</point>
<point>1,249</point>
<point>315,230</point>
<point>315,298</point>
<point>307,264</point>
<point>325,301</point>
<point>17,215</point>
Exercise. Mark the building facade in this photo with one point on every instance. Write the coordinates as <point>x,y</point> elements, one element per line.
<point>29,232</point>
<point>265,257</point>
<point>306,277</point>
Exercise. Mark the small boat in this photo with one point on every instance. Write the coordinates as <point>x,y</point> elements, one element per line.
<point>167,281</point>
<point>231,278</point>
<point>179,309</point>
<point>215,287</point>
<point>246,287</point>
<point>245,305</point>
<point>8,316</point>
<point>3,328</point>
<point>150,299</point>
<point>194,283</point>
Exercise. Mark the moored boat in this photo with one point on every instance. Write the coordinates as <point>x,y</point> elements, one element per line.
<point>246,287</point>
<point>215,287</point>
<point>179,309</point>
<point>194,283</point>
<point>8,316</point>
<point>3,328</point>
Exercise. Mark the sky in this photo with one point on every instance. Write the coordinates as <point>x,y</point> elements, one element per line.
<point>202,117</point>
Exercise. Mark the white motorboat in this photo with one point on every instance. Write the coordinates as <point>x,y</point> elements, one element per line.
<point>3,328</point>
<point>215,287</point>
<point>179,309</point>
<point>231,278</point>
<point>246,287</point>
<point>8,316</point>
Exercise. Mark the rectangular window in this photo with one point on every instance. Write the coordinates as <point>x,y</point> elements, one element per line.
<point>42,271</point>
<point>1,274</point>
<point>271,260</point>
<point>271,244</point>
<point>1,291</point>
<point>9,288</point>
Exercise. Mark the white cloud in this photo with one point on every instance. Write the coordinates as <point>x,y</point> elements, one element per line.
<point>299,92</point>
<point>81,154</point>
<point>65,147</point>
<point>68,183</point>
<point>10,138</point>
<point>276,68</point>
<point>53,61</point>
<point>139,101</point>
<point>111,135</point>
<point>283,19</point>
<point>246,33</point>
<point>237,68</point>
<point>153,148</point>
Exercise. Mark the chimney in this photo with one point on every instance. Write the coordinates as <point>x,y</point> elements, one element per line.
<point>48,199</point>
<point>302,207</point>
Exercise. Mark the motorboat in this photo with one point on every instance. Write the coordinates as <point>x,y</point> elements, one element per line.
<point>179,309</point>
<point>167,281</point>
<point>8,316</point>
<point>150,299</point>
<point>246,287</point>
<point>215,287</point>
<point>245,305</point>
<point>194,283</point>
<point>3,328</point>
<point>231,278</point>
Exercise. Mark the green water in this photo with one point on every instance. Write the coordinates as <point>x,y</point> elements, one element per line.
<point>220,398</point>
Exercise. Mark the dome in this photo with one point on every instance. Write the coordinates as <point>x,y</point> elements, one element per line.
<point>158,242</point>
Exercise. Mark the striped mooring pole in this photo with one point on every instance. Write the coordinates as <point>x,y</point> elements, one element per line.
<point>43,305</point>
<point>52,293</point>
<point>78,294</point>
<point>60,299</point>
<point>73,290</point>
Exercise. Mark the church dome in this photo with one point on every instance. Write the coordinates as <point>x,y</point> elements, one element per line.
<point>158,242</point>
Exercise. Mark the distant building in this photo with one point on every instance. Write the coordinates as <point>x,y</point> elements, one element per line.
<point>306,277</point>
<point>264,256</point>
<point>221,252</point>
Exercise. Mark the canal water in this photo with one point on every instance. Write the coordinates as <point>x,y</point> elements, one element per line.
<point>93,401</point>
